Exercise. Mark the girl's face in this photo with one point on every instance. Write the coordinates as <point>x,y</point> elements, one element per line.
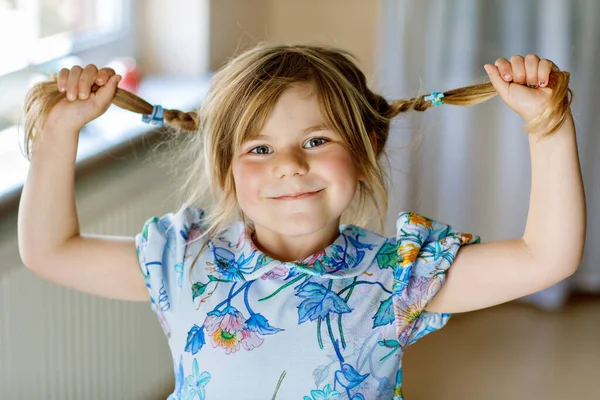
<point>297,177</point>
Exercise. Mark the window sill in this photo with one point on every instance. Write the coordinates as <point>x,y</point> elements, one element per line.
<point>114,132</point>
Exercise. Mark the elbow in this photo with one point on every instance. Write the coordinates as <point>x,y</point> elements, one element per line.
<point>565,268</point>
<point>28,261</point>
<point>30,258</point>
<point>572,259</point>
<point>27,251</point>
<point>568,270</point>
<point>29,255</point>
<point>559,263</point>
<point>34,255</point>
<point>25,256</point>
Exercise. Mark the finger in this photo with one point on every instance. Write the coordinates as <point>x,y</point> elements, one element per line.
<point>86,80</point>
<point>517,63</point>
<point>106,93</point>
<point>63,77</point>
<point>496,79</point>
<point>104,75</point>
<point>546,67</point>
<point>73,82</point>
<point>504,69</point>
<point>531,70</point>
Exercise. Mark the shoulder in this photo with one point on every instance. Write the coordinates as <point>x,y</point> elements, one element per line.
<point>186,218</point>
<point>170,229</point>
<point>161,249</point>
<point>420,237</point>
<point>422,229</point>
<point>426,248</point>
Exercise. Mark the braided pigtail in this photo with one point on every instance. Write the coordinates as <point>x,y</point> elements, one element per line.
<point>43,96</point>
<point>549,121</point>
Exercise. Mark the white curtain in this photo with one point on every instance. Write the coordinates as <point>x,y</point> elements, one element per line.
<point>472,168</point>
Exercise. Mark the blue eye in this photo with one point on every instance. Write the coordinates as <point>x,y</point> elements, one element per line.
<point>316,142</point>
<point>258,150</point>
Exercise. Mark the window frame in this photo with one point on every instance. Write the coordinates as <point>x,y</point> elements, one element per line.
<point>68,47</point>
<point>95,49</point>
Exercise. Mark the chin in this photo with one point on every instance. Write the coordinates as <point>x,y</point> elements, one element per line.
<point>294,225</point>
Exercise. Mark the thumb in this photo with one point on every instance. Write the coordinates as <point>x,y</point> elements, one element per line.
<point>106,92</point>
<point>499,84</point>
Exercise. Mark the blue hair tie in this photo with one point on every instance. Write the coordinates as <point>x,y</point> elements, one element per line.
<point>156,118</point>
<point>436,97</point>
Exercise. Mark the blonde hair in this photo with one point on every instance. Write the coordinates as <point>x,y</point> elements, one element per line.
<point>244,91</point>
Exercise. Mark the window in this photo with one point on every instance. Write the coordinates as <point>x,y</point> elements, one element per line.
<point>36,31</point>
<point>41,36</point>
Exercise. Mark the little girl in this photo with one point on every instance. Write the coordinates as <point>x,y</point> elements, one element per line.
<point>262,293</point>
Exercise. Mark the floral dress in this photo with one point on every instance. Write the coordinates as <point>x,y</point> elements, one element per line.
<point>242,325</point>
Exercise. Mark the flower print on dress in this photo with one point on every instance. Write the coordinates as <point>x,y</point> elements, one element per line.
<point>179,380</point>
<point>326,394</point>
<point>259,324</point>
<point>344,255</point>
<point>407,253</point>
<point>385,313</point>
<point>416,219</point>
<point>310,260</point>
<point>195,232</point>
<point>227,266</point>
<point>164,225</point>
<point>348,377</point>
<point>243,239</point>
<point>398,385</point>
<point>179,271</point>
<point>228,329</point>
<point>195,339</point>
<point>433,251</point>
<point>163,323</point>
<point>280,271</point>
<point>409,305</point>
<point>356,294</point>
<point>319,302</point>
<point>387,255</point>
<point>195,383</point>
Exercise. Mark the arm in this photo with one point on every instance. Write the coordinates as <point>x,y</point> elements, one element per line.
<point>484,275</point>
<point>50,243</point>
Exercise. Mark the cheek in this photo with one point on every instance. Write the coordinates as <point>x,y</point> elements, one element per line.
<point>247,178</point>
<point>338,166</point>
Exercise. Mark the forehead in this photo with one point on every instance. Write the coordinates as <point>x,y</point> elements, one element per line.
<point>296,111</point>
<point>297,107</point>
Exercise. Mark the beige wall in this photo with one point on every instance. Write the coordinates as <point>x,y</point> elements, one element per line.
<point>235,24</point>
<point>350,24</point>
<point>173,39</point>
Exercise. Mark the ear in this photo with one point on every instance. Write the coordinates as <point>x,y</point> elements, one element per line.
<point>373,140</point>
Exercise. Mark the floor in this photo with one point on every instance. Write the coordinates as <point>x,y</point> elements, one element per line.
<point>512,351</point>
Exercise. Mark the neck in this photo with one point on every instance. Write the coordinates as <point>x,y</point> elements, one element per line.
<point>291,248</point>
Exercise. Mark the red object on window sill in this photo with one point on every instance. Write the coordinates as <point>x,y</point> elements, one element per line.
<point>127,68</point>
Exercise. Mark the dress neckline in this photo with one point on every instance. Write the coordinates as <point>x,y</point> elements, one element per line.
<point>236,257</point>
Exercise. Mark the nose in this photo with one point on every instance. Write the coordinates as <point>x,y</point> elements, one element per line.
<point>290,163</point>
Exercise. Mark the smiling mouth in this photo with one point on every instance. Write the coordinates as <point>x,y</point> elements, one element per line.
<point>298,196</point>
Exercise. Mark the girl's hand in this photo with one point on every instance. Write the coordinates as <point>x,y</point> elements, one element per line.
<point>88,91</point>
<point>522,82</point>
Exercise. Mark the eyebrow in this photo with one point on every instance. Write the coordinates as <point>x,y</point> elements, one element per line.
<point>306,131</point>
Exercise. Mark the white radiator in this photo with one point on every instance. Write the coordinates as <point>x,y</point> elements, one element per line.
<point>56,343</point>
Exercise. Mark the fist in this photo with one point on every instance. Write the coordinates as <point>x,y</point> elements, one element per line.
<point>522,83</point>
<point>88,94</point>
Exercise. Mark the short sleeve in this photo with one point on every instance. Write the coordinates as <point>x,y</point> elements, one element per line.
<point>426,249</point>
<point>161,248</point>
